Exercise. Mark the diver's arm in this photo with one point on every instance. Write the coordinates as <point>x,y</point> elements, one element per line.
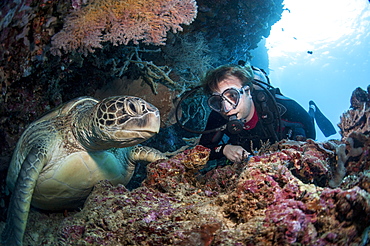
<point>207,140</point>
<point>212,140</point>
<point>234,153</point>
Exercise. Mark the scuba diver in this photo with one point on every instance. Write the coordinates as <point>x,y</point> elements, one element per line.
<point>252,111</point>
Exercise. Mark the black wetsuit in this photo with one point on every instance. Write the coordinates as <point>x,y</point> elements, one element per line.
<point>294,121</point>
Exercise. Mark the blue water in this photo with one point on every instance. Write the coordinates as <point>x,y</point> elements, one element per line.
<point>328,75</point>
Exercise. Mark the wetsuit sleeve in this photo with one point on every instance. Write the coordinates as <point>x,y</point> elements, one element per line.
<point>212,140</point>
<point>296,118</point>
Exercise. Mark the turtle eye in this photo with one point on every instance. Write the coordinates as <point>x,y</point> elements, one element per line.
<point>132,107</point>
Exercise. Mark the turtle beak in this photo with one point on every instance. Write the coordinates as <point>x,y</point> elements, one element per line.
<point>154,122</point>
<point>139,129</point>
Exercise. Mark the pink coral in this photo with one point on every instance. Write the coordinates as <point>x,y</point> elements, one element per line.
<point>293,220</point>
<point>120,22</point>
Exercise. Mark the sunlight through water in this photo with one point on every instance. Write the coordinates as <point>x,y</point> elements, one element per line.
<point>319,51</point>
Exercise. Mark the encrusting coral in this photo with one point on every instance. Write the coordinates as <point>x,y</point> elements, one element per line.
<point>122,21</point>
<point>259,202</point>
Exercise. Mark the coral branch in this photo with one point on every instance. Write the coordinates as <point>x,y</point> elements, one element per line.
<point>153,72</point>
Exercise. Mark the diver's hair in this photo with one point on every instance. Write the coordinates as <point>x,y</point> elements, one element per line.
<point>213,77</point>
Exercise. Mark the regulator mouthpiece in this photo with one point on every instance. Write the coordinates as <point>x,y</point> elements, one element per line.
<point>234,126</point>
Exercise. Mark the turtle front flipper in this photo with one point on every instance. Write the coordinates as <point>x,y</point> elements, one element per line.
<point>20,200</point>
<point>145,153</point>
<point>140,153</point>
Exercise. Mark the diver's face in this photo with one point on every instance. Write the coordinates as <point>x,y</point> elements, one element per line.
<point>245,107</point>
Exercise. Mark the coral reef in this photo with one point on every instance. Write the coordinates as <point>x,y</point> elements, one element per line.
<point>26,28</point>
<point>311,161</point>
<point>120,22</point>
<point>165,175</point>
<point>259,202</point>
<point>356,118</point>
<point>354,127</point>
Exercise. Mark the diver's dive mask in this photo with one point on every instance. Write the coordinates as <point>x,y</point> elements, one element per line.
<point>229,97</point>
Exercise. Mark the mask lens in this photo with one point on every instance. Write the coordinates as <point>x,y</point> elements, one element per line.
<point>232,96</point>
<point>215,102</point>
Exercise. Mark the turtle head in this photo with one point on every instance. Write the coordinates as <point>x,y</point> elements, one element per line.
<point>123,121</point>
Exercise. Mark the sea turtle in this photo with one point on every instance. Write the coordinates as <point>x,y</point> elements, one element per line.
<point>60,157</point>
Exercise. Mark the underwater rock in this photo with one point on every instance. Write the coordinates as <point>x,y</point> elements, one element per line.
<point>259,202</point>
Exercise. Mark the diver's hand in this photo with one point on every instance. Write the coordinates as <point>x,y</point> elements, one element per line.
<point>235,153</point>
